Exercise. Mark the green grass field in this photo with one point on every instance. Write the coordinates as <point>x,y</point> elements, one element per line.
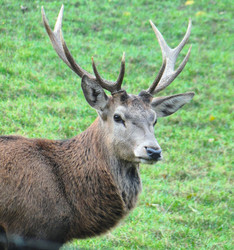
<point>187,199</point>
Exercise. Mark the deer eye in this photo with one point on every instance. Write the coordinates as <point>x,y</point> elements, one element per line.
<point>118,118</point>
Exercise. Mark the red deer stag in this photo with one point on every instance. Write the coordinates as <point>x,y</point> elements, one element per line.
<point>59,190</point>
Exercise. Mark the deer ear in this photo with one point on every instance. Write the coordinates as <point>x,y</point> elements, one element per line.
<point>94,94</point>
<point>164,106</point>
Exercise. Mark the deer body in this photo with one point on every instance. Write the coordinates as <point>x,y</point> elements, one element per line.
<point>81,187</point>
<point>63,187</point>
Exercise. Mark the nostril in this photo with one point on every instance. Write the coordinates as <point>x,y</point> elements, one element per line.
<point>153,153</point>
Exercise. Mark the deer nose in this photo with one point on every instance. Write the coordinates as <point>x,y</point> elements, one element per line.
<point>154,154</point>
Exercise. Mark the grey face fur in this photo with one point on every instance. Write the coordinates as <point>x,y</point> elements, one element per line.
<point>134,131</point>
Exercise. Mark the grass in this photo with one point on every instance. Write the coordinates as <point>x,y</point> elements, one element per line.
<point>187,200</point>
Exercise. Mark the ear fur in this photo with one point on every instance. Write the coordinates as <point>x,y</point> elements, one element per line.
<point>94,94</point>
<point>164,106</point>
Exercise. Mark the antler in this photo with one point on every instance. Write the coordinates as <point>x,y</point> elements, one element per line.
<point>58,43</point>
<point>167,73</point>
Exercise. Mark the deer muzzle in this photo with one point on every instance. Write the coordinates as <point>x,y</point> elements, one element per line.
<point>154,154</point>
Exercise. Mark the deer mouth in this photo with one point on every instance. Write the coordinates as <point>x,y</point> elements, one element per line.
<point>150,155</point>
<point>148,161</point>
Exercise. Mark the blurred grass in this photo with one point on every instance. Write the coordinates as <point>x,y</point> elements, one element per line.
<point>187,200</point>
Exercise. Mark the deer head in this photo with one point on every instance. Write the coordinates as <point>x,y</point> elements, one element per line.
<point>127,121</point>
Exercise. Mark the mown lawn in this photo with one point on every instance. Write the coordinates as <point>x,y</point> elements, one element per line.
<point>187,199</point>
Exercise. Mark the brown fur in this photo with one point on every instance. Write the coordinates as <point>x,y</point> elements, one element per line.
<point>60,190</point>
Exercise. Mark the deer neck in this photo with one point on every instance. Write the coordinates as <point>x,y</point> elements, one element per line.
<point>95,155</point>
<point>125,174</point>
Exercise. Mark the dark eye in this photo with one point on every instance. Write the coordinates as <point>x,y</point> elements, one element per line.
<point>155,122</point>
<point>118,118</point>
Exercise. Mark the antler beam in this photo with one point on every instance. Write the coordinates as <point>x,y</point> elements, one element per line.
<point>58,43</point>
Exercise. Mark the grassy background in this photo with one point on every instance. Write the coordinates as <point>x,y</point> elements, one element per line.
<point>186,201</point>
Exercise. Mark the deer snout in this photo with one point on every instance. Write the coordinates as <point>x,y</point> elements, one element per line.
<point>148,152</point>
<point>153,153</point>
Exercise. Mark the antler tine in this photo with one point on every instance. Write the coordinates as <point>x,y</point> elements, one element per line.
<point>185,39</point>
<point>55,35</point>
<point>121,72</point>
<point>169,58</point>
<point>59,44</point>
<point>109,85</point>
<point>157,79</point>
